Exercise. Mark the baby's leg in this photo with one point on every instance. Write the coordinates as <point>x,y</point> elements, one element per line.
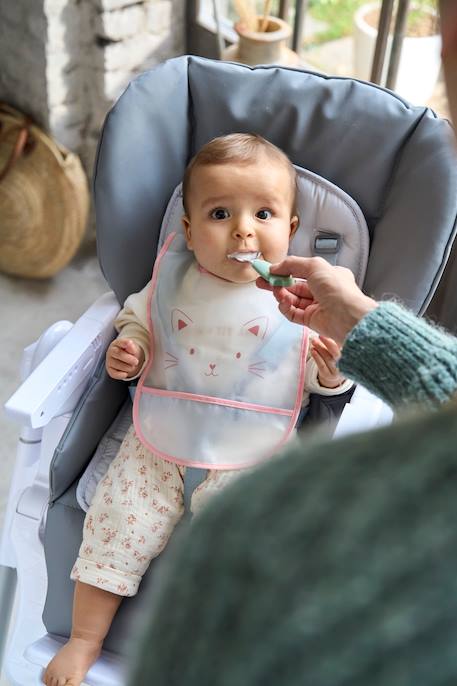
<point>93,612</point>
<point>135,509</point>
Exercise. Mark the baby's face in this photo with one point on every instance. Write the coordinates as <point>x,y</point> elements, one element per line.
<point>239,208</point>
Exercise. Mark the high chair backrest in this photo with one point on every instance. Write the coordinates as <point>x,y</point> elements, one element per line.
<point>393,159</point>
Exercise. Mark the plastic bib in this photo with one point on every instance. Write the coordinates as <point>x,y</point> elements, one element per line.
<point>224,382</point>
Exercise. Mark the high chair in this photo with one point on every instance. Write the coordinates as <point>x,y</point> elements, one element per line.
<point>393,159</point>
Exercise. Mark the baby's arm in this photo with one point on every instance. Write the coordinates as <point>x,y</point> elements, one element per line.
<point>322,373</point>
<point>127,355</point>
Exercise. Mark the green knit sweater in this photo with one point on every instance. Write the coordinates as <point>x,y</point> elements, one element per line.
<point>335,564</point>
<point>401,358</point>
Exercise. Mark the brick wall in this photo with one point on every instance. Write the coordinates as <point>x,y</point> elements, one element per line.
<point>66,61</point>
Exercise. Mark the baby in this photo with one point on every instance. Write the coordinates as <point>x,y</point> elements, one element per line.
<point>222,390</point>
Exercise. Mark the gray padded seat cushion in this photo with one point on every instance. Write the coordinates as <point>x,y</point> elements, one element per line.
<point>92,417</point>
<point>104,455</point>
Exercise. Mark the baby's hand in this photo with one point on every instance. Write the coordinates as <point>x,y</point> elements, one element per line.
<point>325,352</point>
<point>124,358</point>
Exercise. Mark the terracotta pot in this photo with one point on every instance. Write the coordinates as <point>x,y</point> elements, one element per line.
<point>263,47</point>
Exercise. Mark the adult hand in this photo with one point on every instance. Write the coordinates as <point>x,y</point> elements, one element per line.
<point>329,301</point>
<point>124,358</point>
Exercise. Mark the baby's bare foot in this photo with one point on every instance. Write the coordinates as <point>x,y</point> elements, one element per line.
<point>72,662</point>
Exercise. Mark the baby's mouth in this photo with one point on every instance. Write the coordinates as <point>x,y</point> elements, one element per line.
<point>244,256</point>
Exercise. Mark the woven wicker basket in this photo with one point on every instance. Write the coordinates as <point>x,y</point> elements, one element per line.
<point>44,199</point>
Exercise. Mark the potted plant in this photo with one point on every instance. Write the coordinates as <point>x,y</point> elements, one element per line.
<point>420,56</point>
<point>262,38</point>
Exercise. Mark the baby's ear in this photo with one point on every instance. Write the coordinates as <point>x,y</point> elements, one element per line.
<point>294,222</point>
<point>187,231</point>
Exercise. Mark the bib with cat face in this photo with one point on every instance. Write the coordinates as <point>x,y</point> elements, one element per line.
<point>224,382</point>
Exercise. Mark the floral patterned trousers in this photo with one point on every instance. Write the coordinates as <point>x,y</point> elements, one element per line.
<point>135,508</point>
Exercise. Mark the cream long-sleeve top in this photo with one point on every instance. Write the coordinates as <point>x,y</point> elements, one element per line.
<point>132,322</point>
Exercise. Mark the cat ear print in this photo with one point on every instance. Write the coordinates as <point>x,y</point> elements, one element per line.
<point>179,320</point>
<point>257,327</point>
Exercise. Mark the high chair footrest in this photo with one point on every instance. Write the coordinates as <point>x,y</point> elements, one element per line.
<point>107,671</point>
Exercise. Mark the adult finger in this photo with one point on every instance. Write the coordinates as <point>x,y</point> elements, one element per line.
<point>300,288</point>
<point>262,284</point>
<point>297,315</point>
<point>296,266</point>
<point>286,297</point>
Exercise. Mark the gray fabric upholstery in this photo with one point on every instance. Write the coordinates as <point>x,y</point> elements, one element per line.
<point>146,140</point>
<point>393,159</point>
<point>105,453</point>
<point>99,405</point>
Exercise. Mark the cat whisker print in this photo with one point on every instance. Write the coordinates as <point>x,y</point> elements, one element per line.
<point>170,361</point>
<point>256,373</point>
<point>259,366</point>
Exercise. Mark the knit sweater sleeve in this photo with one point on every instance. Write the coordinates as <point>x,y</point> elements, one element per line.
<point>401,358</point>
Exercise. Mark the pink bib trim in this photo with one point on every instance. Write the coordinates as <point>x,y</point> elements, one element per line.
<point>212,400</point>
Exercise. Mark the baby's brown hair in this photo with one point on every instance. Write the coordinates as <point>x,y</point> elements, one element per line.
<point>239,148</point>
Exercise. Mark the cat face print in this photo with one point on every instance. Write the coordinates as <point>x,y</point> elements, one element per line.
<point>215,357</point>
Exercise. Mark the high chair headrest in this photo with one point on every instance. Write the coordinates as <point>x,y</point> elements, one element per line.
<point>393,159</point>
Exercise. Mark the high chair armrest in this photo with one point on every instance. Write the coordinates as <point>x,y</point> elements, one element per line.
<point>55,385</point>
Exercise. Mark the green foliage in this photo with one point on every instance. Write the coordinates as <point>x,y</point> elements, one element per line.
<point>339,16</point>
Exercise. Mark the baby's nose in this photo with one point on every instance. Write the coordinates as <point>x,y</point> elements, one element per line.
<point>243,231</point>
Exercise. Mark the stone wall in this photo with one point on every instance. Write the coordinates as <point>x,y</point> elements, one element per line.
<point>66,61</point>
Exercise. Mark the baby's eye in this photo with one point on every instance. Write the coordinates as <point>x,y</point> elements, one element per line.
<point>220,213</point>
<point>191,351</point>
<point>264,214</point>
<point>238,355</point>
